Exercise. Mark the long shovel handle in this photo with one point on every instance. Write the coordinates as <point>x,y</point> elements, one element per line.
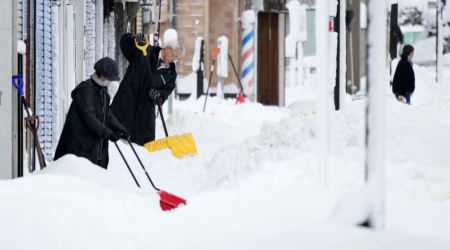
<point>131,172</point>
<point>237,75</point>
<point>215,51</point>
<point>30,126</point>
<point>145,170</point>
<point>39,151</point>
<point>144,51</point>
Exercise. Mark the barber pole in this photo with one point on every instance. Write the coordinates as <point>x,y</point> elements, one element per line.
<point>248,59</point>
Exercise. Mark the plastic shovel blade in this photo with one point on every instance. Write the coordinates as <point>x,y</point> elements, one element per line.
<point>182,146</point>
<point>169,201</point>
<point>240,98</point>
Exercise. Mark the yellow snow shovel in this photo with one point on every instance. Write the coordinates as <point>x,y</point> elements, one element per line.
<point>182,146</point>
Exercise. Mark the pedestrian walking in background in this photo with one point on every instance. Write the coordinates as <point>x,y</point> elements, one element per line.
<point>134,103</point>
<point>404,82</point>
<point>90,123</point>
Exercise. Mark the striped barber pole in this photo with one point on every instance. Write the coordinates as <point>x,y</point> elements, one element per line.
<point>248,45</point>
<point>248,61</point>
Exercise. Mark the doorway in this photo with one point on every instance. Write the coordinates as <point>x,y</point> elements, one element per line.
<point>268,56</point>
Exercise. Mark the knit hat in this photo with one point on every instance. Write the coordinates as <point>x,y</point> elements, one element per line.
<point>108,68</point>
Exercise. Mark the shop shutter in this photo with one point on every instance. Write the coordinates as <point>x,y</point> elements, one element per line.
<point>43,75</point>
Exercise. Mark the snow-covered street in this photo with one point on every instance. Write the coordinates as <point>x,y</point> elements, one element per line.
<point>253,184</point>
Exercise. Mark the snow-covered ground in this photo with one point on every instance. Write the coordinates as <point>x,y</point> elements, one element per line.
<point>253,184</point>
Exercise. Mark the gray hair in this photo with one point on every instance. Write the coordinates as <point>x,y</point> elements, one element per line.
<point>175,45</point>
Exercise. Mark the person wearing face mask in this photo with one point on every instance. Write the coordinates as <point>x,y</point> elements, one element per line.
<point>138,93</point>
<point>90,123</point>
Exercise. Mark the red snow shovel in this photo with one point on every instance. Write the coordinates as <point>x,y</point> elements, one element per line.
<point>215,51</point>
<point>168,201</point>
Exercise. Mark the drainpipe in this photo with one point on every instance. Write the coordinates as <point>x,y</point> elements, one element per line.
<point>174,14</point>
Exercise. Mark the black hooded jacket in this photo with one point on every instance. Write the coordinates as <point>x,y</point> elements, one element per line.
<point>89,124</point>
<point>132,105</point>
<point>404,79</point>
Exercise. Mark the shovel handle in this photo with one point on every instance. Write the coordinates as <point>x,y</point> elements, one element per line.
<point>32,118</point>
<point>145,170</point>
<point>144,47</point>
<point>20,86</point>
<point>131,172</point>
<point>36,138</point>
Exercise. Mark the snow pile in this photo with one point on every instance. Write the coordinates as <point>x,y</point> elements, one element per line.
<point>21,47</point>
<point>186,84</point>
<point>425,51</point>
<point>253,184</point>
<point>74,201</point>
<point>446,59</point>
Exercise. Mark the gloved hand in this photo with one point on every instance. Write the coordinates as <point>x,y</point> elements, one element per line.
<point>140,38</point>
<point>156,96</point>
<point>124,134</point>
<point>114,137</point>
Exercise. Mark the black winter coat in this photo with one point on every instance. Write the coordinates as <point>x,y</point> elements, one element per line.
<point>88,125</point>
<point>404,79</point>
<point>132,105</point>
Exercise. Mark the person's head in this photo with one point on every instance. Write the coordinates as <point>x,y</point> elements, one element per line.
<point>172,51</point>
<point>408,52</point>
<point>107,70</point>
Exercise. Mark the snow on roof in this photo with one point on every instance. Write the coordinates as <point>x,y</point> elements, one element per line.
<point>411,28</point>
<point>419,4</point>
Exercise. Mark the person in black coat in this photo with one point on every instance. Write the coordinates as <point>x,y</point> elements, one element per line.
<point>90,123</point>
<point>404,82</point>
<point>138,93</point>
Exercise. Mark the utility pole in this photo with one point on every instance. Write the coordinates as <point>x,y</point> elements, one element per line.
<point>322,29</point>
<point>375,112</point>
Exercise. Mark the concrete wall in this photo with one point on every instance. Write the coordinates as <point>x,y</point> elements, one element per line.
<point>6,90</point>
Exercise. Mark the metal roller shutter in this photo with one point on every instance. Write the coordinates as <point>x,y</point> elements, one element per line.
<point>43,75</point>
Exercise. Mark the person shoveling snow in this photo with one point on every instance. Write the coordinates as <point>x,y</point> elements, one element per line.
<point>90,123</point>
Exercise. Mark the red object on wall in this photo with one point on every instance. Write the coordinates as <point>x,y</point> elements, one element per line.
<point>330,26</point>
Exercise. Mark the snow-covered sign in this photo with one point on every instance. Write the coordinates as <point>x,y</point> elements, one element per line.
<point>222,58</point>
<point>43,76</point>
<point>196,57</point>
<point>332,8</point>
